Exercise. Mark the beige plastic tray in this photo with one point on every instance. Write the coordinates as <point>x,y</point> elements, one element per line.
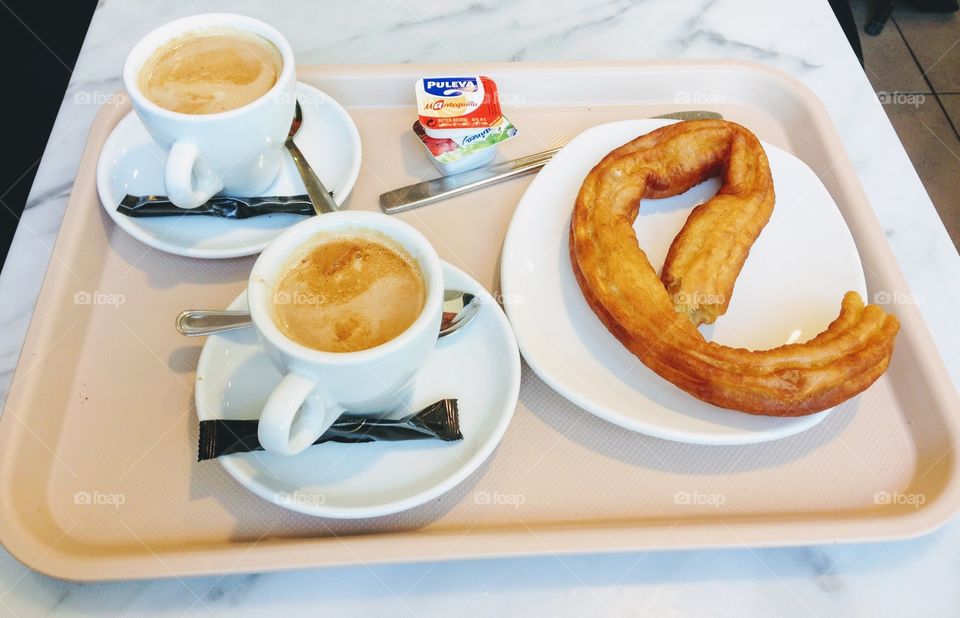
<point>98,440</point>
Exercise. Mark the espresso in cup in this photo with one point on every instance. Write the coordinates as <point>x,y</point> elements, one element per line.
<point>349,293</point>
<point>210,71</point>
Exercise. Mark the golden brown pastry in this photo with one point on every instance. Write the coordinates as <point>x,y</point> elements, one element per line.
<point>657,321</point>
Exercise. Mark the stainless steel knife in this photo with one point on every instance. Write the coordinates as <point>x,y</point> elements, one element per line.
<point>430,191</point>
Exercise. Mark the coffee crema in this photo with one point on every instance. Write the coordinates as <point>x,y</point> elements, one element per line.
<point>347,294</point>
<point>210,71</point>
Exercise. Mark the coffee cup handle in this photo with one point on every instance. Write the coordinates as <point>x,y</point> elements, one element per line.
<point>189,179</point>
<point>294,416</point>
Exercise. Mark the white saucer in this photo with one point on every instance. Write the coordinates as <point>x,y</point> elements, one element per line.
<point>130,162</point>
<point>790,289</point>
<point>479,365</point>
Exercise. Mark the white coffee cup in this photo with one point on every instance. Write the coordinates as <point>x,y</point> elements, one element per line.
<point>238,151</point>
<point>319,386</point>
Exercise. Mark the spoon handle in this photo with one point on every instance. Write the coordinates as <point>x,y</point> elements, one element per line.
<point>319,196</point>
<point>459,308</point>
<point>202,322</point>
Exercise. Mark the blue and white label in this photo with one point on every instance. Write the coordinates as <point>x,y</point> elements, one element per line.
<point>451,86</point>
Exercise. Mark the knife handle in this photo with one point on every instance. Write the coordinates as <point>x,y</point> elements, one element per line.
<point>427,192</point>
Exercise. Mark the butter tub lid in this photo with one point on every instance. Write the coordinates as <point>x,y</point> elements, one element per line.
<point>458,102</point>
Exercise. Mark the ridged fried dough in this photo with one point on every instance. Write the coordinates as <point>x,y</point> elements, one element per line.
<point>657,321</point>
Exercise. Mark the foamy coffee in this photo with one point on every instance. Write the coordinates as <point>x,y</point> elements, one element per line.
<point>349,293</point>
<point>210,71</point>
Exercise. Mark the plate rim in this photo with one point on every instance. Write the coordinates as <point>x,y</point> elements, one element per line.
<point>461,473</point>
<point>138,233</point>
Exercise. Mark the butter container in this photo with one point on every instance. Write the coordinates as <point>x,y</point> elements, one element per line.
<point>452,107</point>
<point>465,151</point>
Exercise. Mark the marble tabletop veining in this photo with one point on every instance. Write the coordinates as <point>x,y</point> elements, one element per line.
<point>917,577</point>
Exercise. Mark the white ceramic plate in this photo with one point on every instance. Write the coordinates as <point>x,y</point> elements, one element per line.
<point>131,163</point>
<point>479,365</point>
<point>789,290</point>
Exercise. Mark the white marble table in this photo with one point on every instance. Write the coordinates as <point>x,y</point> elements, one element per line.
<point>914,577</point>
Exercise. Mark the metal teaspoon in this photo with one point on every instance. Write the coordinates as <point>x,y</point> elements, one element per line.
<point>319,196</point>
<point>458,309</point>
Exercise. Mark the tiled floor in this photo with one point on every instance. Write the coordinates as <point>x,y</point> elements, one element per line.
<point>914,65</point>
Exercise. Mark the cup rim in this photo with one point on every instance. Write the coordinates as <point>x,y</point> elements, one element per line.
<point>199,21</point>
<point>286,245</point>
